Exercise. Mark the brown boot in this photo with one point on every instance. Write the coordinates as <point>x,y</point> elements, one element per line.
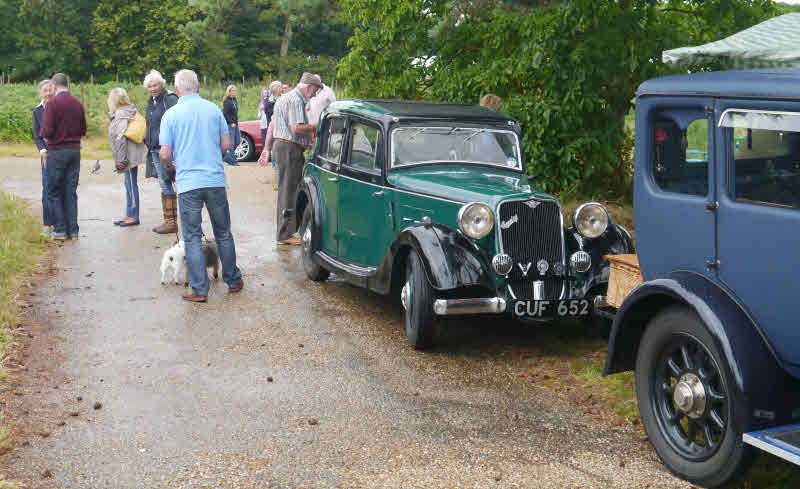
<point>170,205</point>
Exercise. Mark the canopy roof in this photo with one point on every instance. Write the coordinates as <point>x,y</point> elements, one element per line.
<point>772,43</point>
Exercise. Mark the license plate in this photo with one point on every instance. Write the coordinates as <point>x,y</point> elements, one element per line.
<point>555,308</point>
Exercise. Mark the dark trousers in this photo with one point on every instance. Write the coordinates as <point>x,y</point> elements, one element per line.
<point>46,219</point>
<point>191,208</point>
<point>63,170</point>
<point>290,162</point>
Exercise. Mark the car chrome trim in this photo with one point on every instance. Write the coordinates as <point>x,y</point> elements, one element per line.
<point>451,307</point>
<point>754,111</point>
<point>518,167</point>
<point>563,242</point>
<point>356,270</point>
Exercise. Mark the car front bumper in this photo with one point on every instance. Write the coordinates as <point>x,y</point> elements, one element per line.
<point>494,305</point>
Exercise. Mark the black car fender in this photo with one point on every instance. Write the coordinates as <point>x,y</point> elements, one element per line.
<point>307,194</point>
<point>451,260</point>
<point>615,241</point>
<point>762,385</point>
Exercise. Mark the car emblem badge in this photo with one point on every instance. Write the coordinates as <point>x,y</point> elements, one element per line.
<point>524,269</point>
<point>533,204</point>
<point>542,266</point>
<point>507,224</point>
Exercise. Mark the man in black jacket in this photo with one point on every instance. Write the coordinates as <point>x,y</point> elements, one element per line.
<point>45,92</point>
<point>160,100</point>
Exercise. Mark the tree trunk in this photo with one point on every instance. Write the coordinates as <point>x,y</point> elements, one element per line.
<point>287,38</point>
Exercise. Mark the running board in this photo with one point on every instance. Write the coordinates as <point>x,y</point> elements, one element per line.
<point>782,441</point>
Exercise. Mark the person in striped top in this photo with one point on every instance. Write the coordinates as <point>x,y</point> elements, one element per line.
<point>291,135</point>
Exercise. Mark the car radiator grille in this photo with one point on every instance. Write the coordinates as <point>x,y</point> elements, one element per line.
<point>535,234</point>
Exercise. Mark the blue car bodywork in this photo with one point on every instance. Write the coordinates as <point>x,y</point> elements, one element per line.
<point>717,212</point>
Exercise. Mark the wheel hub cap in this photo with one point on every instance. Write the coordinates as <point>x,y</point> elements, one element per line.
<point>307,237</point>
<point>690,395</point>
<point>404,295</point>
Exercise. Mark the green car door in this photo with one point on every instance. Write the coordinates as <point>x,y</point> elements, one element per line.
<point>327,161</point>
<point>365,217</point>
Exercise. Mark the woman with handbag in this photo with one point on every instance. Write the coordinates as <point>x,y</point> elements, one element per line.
<point>126,133</point>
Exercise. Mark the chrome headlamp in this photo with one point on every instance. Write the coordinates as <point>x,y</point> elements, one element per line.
<point>475,220</point>
<point>591,219</point>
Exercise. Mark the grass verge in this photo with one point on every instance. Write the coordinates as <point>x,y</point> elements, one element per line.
<point>21,249</point>
<point>93,147</point>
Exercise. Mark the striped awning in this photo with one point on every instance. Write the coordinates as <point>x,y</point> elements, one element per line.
<point>772,43</point>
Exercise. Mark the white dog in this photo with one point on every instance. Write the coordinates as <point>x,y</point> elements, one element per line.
<point>173,264</point>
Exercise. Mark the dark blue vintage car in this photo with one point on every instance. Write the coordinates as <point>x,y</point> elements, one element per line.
<point>713,332</point>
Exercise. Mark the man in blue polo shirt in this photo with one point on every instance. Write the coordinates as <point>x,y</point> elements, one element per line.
<point>194,135</point>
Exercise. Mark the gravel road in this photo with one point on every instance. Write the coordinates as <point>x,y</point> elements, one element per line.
<point>287,384</point>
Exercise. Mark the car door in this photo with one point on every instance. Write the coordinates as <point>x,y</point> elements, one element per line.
<point>364,203</point>
<point>759,215</point>
<point>328,159</point>
<point>673,203</point>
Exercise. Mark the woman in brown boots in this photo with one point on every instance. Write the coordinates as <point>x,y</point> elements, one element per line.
<point>160,100</point>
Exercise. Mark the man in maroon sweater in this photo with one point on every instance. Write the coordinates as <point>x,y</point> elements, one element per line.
<point>63,125</point>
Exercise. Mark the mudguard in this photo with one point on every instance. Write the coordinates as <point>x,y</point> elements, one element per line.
<point>770,396</point>
<point>615,241</point>
<point>450,259</point>
<point>307,194</point>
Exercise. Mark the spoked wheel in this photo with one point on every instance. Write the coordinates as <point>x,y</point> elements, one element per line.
<point>245,150</point>
<point>417,299</point>
<point>687,402</point>
<point>312,269</point>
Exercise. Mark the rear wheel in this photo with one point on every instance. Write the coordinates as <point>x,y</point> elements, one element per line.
<point>417,299</point>
<point>246,149</point>
<point>687,400</point>
<point>312,269</point>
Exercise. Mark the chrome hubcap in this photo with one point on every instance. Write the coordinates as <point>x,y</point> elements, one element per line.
<point>404,295</point>
<point>242,149</point>
<point>690,395</point>
<point>307,238</point>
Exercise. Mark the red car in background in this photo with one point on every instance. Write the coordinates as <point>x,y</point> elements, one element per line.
<point>250,146</point>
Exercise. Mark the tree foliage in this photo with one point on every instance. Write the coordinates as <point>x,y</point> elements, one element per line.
<point>221,39</point>
<point>567,70</point>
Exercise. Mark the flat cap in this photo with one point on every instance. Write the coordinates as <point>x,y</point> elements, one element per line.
<point>311,79</point>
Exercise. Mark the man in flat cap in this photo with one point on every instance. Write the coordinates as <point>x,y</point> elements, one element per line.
<point>291,135</point>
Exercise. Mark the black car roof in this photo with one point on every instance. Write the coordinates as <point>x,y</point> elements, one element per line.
<point>415,109</point>
<point>769,84</point>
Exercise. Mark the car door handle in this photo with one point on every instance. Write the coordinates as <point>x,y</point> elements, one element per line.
<point>333,179</point>
<point>379,193</point>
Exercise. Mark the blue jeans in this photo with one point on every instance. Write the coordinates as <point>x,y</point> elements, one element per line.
<point>166,184</point>
<point>236,138</point>
<point>63,170</point>
<point>46,219</point>
<point>132,192</point>
<point>190,205</point>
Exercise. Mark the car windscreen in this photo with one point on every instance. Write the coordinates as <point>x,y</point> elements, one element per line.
<point>419,145</point>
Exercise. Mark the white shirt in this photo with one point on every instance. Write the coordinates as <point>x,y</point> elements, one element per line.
<point>317,104</point>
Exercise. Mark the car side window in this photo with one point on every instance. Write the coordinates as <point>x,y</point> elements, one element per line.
<point>680,156</point>
<point>365,145</point>
<point>333,138</point>
<point>765,162</point>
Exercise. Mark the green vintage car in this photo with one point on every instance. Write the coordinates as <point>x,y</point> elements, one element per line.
<point>430,201</point>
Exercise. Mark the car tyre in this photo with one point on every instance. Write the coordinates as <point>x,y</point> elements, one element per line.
<point>313,270</point>
<point>698,441</point>
<point>417,299</point>
<point>246,148</point>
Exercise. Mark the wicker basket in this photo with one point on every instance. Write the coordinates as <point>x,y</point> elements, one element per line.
<point>625,276</point>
